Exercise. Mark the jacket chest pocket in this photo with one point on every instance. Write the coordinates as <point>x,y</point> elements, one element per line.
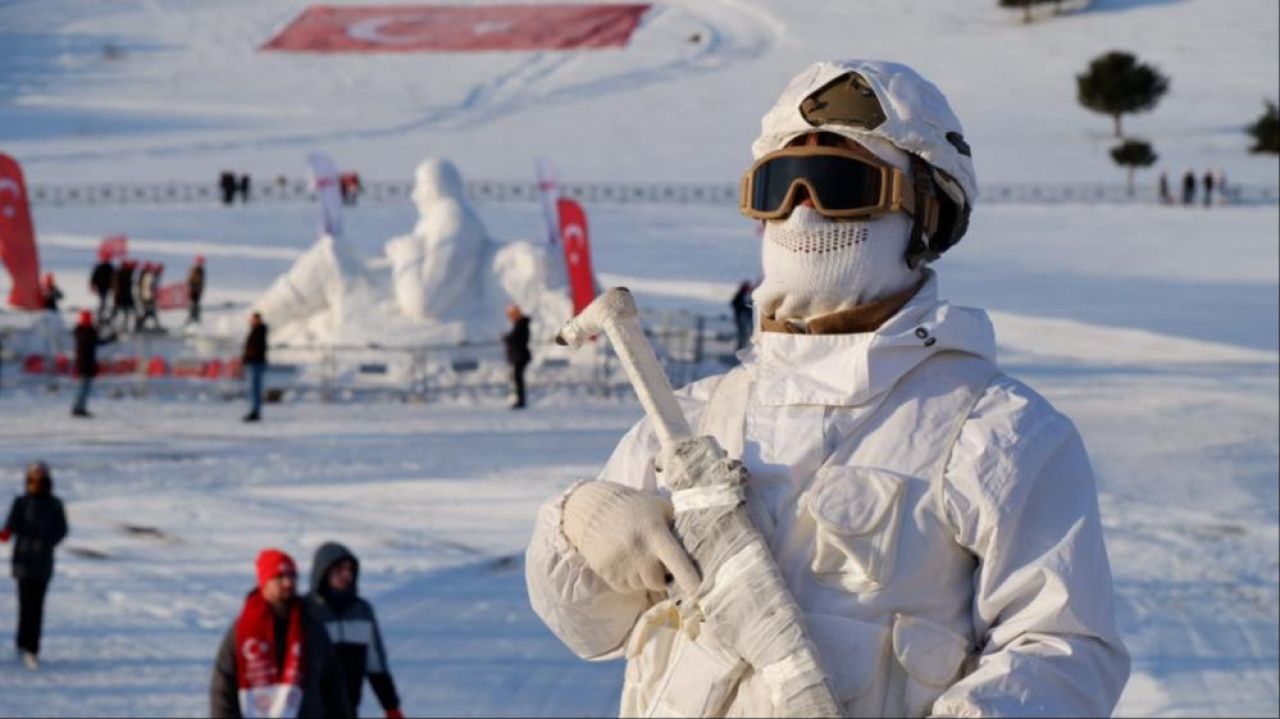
<point>857,512</point>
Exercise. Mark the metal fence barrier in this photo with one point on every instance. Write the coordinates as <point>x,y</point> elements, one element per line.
<point>689,345</point>
<point>616,193</point>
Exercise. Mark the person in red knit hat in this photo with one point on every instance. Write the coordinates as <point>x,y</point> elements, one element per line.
<point>275,659</point>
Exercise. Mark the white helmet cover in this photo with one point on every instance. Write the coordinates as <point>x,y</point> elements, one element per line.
<point>917,119</point>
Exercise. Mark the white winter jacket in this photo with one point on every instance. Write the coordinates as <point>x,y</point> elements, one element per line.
<point>936,520</point>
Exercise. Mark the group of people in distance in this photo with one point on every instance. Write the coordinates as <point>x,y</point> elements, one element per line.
<point>140,297</point>
<point>331,631</point>
<point>1211,182</point>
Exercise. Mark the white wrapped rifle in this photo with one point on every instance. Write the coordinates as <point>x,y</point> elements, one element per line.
<point>743,598</point>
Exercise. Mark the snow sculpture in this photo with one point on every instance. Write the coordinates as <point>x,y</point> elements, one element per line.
<point>450,270</point>
<point>450,281</point>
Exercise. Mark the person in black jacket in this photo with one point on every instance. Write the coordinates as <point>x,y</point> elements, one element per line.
<point>195,289</point>
<point>741,304</point>
<point>87,341</point>
<point>36,523</point>
<point>100,281</point>
<point>123,293</point>
<point>276,659</point>
<point>255,364</point>
<point>517,342</point>
<point>335,601</point>
<point>51,293</point>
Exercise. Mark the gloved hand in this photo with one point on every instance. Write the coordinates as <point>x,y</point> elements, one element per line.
<point>395,713</point>
<point>4,535</point>
<point>625,537</point>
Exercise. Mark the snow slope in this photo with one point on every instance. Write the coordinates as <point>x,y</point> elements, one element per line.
<point>187,93</point>
<point>1155,329</point>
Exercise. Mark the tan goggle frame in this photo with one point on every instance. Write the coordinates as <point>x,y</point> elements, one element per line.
<point>895,190</point>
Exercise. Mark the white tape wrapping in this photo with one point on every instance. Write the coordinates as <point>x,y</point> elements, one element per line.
<point>716,495</point>
<point>744,562</point>
<point>791,668</point>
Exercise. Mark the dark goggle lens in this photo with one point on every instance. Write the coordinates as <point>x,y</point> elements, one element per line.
<point>841,183</point>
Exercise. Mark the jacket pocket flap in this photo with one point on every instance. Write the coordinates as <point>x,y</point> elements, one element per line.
<point>930,652</point>
<point>851,651</point>
<point>853,500</point>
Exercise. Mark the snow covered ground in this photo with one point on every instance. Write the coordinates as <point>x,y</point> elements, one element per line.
<point>1157,329</point>
<point>1164,353</point>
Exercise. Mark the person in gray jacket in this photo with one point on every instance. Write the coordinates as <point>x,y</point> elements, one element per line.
<point>335,602</point>
<point>276,660</point>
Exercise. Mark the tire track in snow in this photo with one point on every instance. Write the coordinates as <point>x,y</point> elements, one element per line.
<point>733,33</point>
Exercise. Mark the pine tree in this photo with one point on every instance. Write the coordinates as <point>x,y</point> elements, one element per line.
<point>1132,154</point>
<point>1116,84</point>
<point>1266,131</point>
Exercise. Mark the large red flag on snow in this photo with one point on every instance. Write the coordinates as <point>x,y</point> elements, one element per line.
<point>18,238</point>
<point>577,252</point>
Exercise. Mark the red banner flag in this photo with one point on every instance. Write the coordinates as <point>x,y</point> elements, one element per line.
<point>18,238</point>
<point>115,247</point>
<point>173,297</point>
<point>452,28</point>
<point>577,253</point>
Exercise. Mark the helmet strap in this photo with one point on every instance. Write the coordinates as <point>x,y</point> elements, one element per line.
<point>918,250</point>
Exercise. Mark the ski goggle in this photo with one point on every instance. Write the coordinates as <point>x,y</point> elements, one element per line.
<point>841,183</point>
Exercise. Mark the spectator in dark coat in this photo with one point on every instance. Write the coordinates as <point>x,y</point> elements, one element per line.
<point>36,524</point>
<point>227,183</point>
<point>741,304</point>
<point>100,282</point>
<point>255,364</point>
<point>242,187</point>
<point>52,295</point>
<point>335,601</point>
<point>276,659</point>
<point>1208,187</point>
<point>517,342</point>
<point>123,293</point>
<point>87,341</point>
<point>1188,187</point>
<point>195,289</point>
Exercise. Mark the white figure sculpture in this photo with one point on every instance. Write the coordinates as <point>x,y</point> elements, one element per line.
<point>450,281</point>
<point>450,270</point>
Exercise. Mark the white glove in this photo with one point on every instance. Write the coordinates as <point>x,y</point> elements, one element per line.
<point>625,537</point>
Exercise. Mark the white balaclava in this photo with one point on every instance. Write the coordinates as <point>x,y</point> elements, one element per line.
<point>814,266</point>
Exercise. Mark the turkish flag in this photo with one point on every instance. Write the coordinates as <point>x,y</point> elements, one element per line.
<point>18,238</point>
<point>577,253</point>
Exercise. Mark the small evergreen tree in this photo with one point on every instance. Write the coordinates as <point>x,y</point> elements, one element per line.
<point>1132,154</point>
<point>1116,84</point>
<point>1266,131</point>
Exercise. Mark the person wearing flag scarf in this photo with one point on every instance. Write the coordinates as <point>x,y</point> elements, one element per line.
<point>275,659</point>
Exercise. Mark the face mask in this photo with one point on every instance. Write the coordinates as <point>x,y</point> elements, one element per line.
<point>815,266</point>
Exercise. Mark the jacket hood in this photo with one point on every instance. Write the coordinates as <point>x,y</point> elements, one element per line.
<point>326,556</point>
<point>853,369</point>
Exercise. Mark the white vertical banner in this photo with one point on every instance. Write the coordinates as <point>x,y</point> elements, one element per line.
<point>324,182</point>
<point>549,191</point>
